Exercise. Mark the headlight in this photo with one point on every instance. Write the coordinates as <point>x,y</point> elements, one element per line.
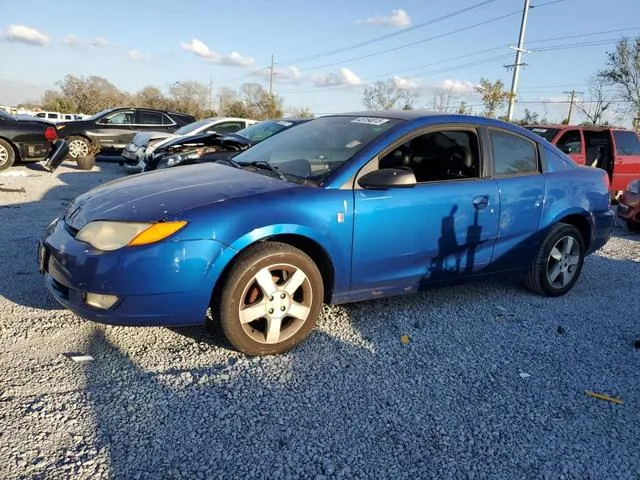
<point>634,187</point>
<point>175,160</point>
<point>108,236</point>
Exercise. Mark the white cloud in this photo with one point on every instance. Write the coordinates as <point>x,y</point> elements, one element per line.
<point>199,48</point>
<point>26,35</point>
<point>458,86</point>
<point>73,41</point>
<point>345,78</point>
<point>286,75</point>
<point>98,42</point>
<point>134,55</point>
<point>398,18</point>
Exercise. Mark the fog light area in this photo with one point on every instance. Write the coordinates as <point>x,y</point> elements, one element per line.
<point>99,300</point>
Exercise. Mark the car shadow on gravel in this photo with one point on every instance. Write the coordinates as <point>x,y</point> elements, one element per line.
<point>24,222</point>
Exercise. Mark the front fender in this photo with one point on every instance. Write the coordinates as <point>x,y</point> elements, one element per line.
<point>340,263</point>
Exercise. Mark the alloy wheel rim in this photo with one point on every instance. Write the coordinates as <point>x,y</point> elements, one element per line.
<point>563,262</point>
<point>4,155</point>
<point>275,304</point>
<point>78,148</point>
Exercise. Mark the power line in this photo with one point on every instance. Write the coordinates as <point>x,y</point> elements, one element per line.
<point>412,44</point>
<point>387,36</point>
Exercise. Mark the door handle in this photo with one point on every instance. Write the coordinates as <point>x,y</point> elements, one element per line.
<point>480,202</point>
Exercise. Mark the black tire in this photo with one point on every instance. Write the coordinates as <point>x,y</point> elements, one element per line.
<point>633,226</point>
<point>7,155</point>
<point>241,287</point>
<point>78,147</point>
<point>538,278</point>
<point>86,163</point>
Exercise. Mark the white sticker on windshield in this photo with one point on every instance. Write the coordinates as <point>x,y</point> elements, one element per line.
<point>353,143</point>
<point>370,120</point>
<point>285,123</point>
<point>542,130</point>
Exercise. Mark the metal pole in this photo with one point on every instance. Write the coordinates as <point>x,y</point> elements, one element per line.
<point>516,67</point>
<point>573,96</point>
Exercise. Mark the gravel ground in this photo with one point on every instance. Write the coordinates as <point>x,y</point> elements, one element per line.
<point>491,383</point>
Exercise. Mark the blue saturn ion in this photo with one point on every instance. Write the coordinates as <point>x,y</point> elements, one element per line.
<point>343,208</point>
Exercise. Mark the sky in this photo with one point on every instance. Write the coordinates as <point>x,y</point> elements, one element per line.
<point>325,51</point>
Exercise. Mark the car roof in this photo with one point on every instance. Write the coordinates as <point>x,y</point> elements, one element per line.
<point>561,126</point>
<point>395,114</point>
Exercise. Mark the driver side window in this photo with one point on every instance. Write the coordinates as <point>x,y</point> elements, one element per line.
<point>121,118</point>
<point>437,156</point>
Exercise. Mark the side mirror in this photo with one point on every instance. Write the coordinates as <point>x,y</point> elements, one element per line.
<point>388,178</point>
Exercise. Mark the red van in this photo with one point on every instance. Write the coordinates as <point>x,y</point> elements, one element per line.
<point>615,150</point>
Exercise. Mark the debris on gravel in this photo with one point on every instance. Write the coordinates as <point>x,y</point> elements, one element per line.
<point>482,380</point>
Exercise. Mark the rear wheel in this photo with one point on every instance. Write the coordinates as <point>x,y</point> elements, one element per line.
<point>557,266</point>
<point>271,299</point>
<point>78,147</point>
<point>7,155</point>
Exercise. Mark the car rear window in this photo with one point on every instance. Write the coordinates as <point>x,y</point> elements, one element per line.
<point>546,133</point>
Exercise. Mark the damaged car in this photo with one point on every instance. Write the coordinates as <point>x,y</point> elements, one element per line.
<point>343,208</point>
<point>213,147</point>
<point>25,140</point>
<point>629,206</point>
<point>144,143</point>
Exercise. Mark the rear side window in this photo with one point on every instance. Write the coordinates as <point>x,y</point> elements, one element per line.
<point>150,118</point>
<point>627,143</point>
<point>512,155</point>
<point>167,120</point>
<point>571,141</point>
<point>228,127</point>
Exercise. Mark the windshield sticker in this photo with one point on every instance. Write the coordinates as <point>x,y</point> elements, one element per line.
<point>370,120</point>
<point>284,123</point>
<point>353,143</point>
<point>541,130</point>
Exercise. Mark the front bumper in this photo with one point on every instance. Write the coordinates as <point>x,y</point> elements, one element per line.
<point>164,284</point>
<point>133,161</point>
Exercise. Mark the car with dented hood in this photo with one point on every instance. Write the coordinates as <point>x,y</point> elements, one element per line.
<point>343,208</point>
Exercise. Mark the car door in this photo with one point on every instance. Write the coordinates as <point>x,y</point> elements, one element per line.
<point>444,227</point>
<point>515,165</point>
<point>572,143</point>
<point>116,129</point>
<point>626,160</point>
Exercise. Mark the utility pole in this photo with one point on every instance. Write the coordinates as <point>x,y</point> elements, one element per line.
<point>271,88</point>
<point>210,92</point>
<point>516,66</point>
<point>571,102</point>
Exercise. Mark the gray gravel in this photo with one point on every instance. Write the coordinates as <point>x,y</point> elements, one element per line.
<point>488,385</point>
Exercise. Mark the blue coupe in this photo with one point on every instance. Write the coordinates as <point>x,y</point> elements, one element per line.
<point>342,208</point>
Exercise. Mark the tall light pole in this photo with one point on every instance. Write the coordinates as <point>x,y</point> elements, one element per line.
<point>516,66</point>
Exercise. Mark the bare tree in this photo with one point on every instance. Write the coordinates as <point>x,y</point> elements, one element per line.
<point>150,97</point>
<point>91,94</point>
<point>493,96</point>
<point>189,97</point>
<point>55,101</point>
<point>387,95</point>
<point>442,100</point>
<point>259,103</point>
<point>623,72</point>
<point>302,112</point>
<point>599,100</point>
<point>226,96</point>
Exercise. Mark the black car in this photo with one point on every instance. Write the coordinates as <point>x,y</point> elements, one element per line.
<point>24,140</point>
<point>112,129</point>
<point>211,147</point>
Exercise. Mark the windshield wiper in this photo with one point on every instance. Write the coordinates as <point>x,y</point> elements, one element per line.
<point>233,163</point>
<point>266,166</point>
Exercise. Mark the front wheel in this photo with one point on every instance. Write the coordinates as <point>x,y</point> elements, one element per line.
<point>270,300</point>
<point>558,264</point>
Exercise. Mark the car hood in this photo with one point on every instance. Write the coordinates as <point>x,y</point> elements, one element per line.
<point>142,138</point>
<point>155,196</point>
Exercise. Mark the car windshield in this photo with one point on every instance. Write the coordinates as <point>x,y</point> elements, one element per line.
<point>546,133</point>
<point>5,115</point>
<point>192,127</point>
<point>263,130</point>
<point>316,148</point>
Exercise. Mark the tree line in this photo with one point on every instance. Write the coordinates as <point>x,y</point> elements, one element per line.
<point>89,95</point>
